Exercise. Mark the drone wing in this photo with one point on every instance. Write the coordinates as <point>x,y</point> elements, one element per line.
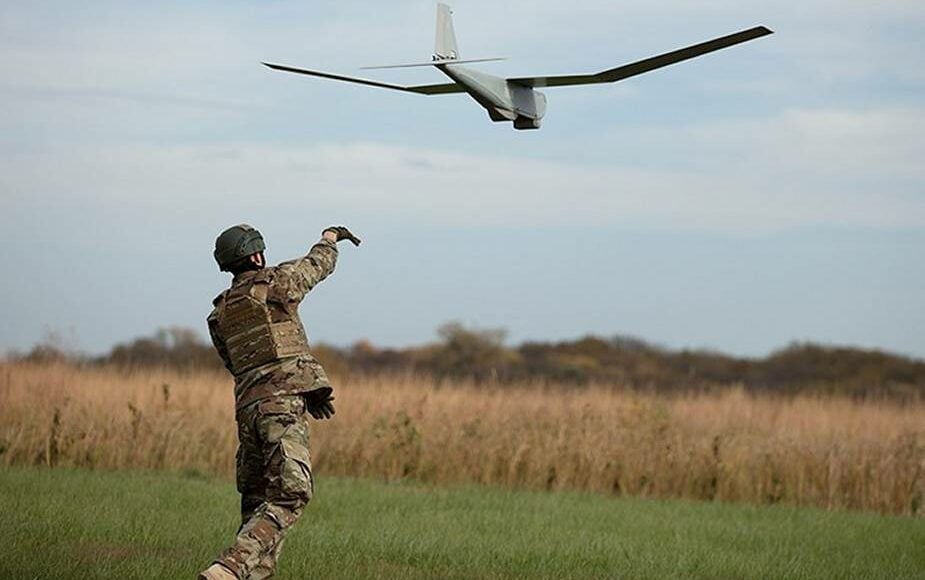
<point>643,66</point>
<point>441,89</point>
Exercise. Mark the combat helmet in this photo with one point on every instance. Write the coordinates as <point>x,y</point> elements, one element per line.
<point>236,244</point>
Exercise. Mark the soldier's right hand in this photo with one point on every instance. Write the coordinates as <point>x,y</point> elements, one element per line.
<point>323,410</point>
<point>343,233</point>
<point>319,403</point>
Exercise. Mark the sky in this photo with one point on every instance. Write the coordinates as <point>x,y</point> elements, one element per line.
<point>768,193</point>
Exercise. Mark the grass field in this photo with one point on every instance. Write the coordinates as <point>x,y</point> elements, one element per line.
<point>63,523</point>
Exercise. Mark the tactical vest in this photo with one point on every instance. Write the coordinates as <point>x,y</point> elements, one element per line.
<point>252,338</point>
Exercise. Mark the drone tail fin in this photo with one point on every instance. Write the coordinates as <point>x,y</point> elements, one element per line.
<point>445,46</point>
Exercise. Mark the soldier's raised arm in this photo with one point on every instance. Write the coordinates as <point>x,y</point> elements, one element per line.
<point>306,272</point>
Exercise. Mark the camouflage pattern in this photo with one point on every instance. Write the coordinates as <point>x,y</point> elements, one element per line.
<point>288,283</point>
<point>274,477</point>
<point>273,463</point>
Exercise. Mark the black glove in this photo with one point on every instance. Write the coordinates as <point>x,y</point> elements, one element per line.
<point>318,403</point>
<point>344,234</point>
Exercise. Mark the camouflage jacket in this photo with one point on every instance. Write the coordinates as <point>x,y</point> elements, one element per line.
<point>288,284</point>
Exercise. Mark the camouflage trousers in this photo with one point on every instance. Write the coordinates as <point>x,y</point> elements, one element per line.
<point>274,477</point>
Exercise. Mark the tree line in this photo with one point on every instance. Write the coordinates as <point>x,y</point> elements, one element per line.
<point>481,356</point>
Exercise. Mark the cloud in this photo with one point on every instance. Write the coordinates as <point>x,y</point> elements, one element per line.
<point>62,93</point>
<point>844,143</point>
<point>797,169</point>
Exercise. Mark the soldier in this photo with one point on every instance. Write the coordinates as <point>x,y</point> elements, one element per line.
<point>256,329</point>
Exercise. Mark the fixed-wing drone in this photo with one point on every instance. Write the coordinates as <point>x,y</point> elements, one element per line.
<point>514,99</point>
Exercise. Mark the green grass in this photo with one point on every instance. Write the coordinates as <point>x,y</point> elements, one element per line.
<point>80,524</point>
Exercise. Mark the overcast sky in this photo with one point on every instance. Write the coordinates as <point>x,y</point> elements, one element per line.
<point>771,192</point>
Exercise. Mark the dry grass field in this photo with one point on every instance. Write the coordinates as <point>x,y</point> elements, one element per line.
<point>728,446</point>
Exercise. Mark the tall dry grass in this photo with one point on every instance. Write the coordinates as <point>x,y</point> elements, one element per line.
<point>730,446</point>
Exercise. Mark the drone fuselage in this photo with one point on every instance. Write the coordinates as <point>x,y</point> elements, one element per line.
<point>504,100</point>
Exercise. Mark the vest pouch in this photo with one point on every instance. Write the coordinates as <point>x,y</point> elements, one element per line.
<point>289,338</point>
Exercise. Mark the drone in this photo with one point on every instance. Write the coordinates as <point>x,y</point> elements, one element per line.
<point>516,100</point>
